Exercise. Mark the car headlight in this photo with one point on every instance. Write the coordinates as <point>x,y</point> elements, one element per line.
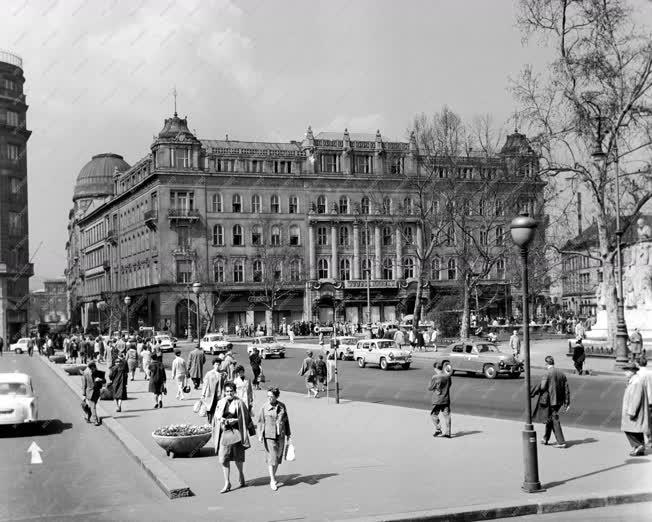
<point>501,363</point>
<point>391,355</point>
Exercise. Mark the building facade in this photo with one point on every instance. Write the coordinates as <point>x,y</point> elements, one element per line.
<point>15,267</point>
<point>49,305</point>
<point>325,212</point>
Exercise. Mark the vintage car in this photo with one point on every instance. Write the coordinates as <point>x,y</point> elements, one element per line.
<point>267,346</point>
<point>215,343</point>
<point>18,403</point>
<point>345,347</point>
<point>478,357</point>
<point>19,346</point>
<point>164,342</point>
<point>383,352</point>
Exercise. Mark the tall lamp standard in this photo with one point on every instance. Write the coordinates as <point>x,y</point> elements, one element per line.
<point>196,288</point>
<point>127,303</point>
<point>523,228</point>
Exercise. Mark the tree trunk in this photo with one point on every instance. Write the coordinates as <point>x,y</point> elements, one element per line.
<point>608,280</point>
<point>466,315</point>
<point>418,305</point>
<point>269,314</point>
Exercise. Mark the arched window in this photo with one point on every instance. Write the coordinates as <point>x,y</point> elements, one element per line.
<point>408,235</point>
<point>294,235</point>
<point>365,235</point>
<point>450,236</point>
<point>367,266</point>
<point>500,269</point>
<point>218,235</point>
<point>293,205</point>
<point>257,270</point>
<point>388,268</point>
<point>387,205</point>
<point>295,270</point>
<point>321,204</point>
<point>388,235</point>
<point>364,205</point>
<point>216,203</point>
<point>218,271</point>
<point>237,236</point>
<point>257,235</point>
<point>344,236</point>
<point>452,269</point>
<point>255,204</point>
<point>238,271</point>
<point>275,204</point>
<point>236,203</point>
<point>407,206</point>
<point>345,269</point>
<point>408,267</point>
<point>500,235</point>
<point>482,207</point>
<point>344,205</point>
<point>322,269</point>
<point>322,236</point>
<point>483,237</point>
<point>276,235</point>
<point>435,269</point>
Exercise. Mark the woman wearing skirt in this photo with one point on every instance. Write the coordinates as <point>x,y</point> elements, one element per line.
<point>273,432</point>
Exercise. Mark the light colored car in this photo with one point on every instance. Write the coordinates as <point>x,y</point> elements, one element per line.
<point>19,346</point>
<point>345,348</point>
<point>215,343</point>
<point>267,346</point>
<point>164,342</point>
<point>18,403</point>
<point>383,352</point>
<point>478,357</point>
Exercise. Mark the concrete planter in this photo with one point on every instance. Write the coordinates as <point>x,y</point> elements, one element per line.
<point>58,359</point>
<point>182,445</point>
<point>74,369</point>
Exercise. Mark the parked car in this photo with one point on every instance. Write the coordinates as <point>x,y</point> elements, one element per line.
<point>345,348</point>
<point>383,352</point>
<point>164,342</point>
<point>478,357</point>
<point>19,346</point>
<point>215,343</point>
<point>18,403</point>
<point>267,346</point>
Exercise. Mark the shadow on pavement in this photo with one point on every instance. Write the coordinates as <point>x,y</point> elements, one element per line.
<point>164,407</point>
<point>464,433</point>
<point>596,472</point>
<point>43,427</point>
<point>292,480</point>
<point>589,440</point>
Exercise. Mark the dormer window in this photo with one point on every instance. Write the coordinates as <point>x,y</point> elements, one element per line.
<point>180,158</point>
<point>363,164</point>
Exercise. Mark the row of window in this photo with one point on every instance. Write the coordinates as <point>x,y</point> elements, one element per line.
<point>10,118</point>
<point>139,241</point>
<point>256,234</point>
<point>217,204</point>
<point>15,224</point>
<point>235,271</point>
<point>10,151</point>
<point>94,234</point>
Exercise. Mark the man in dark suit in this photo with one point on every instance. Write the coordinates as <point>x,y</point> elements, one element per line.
<point>196,361</point>
<point>555,384</point>
<point>440,386</point>
<point>91,387</point>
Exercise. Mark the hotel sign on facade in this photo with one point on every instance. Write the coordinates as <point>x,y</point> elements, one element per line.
<point>377,283</point>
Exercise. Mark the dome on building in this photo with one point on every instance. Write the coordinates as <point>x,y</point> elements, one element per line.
<point>176,128</point>
<point>95,179</point>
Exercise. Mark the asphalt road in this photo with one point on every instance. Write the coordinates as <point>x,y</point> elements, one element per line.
<point>85,474</point>
<point>595,400</point>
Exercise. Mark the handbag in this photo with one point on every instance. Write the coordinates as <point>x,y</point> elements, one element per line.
<point>203,412</point>
<point>165,390</point>
<point>197,406</point>
<point>230,437</point>
<point>261,378</point>
<point>289,451</point>
<point>186,388</point>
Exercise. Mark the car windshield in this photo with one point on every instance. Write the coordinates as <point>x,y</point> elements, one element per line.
<point>13,388</point>
<point>386,344</point>
<point>215,338</point>
<point>266,340</point>
<point>348,341</point>
<point>484,348</point>
<point>163,338</point>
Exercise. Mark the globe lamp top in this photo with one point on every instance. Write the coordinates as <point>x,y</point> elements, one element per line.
<point>522,229</point>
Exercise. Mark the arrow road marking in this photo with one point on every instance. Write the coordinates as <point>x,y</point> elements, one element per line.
<point>36,453</point>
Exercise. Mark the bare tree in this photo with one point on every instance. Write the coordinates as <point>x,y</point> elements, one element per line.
<point>593,101</point>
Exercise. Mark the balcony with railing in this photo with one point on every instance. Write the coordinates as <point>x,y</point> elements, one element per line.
<point>106,265</point>
<point>183,251</point>
<point>183,215</point>
<point>111,237</point>
<point>151,219</point>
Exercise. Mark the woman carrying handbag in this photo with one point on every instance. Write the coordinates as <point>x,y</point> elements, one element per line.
<point>274,432</point>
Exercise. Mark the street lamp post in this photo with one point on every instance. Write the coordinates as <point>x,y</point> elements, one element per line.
<point>188,333</point>
<point>368,274</point>
<point>127,303</point>
<point>523,229</point>
<point>196,288</point>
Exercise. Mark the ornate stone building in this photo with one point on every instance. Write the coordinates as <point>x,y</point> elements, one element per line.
<point>15,267</point>
<point>211,211</point>
<point>49,305</point>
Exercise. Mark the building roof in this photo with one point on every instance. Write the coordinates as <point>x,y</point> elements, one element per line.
<point>355,136</point>
<point>517,144</point>
<point>236,145</point>
<point>589,238</point>
<point>95,179</point>
<point>175,126</point>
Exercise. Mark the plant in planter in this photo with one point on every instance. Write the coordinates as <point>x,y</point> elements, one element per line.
<point>182,439</point>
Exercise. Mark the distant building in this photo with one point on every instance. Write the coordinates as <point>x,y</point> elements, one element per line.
<point>335,204</point>
<point>15,268</point>
<point>50,304</point>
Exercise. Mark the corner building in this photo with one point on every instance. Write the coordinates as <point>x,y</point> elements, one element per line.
<point>200,210</point>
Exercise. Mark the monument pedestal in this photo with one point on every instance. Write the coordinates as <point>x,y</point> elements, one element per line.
<point>634,318</point>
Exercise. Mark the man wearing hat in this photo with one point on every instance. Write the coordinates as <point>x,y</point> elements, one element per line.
<point>579,356</point>
<point>308,370</point>
<point>645,373</point>
<point>635,421</point>
<point>440,386</point>
<point>554,387</point>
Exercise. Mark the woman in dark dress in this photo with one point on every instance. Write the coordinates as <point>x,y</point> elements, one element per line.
<point>255,361</point>
<point>118,374</point>
<point>157,380</point>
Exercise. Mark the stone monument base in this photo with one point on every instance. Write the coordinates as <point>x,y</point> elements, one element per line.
<point>634,318</point>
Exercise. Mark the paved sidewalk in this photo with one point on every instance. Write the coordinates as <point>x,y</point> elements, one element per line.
<point>376,462</point>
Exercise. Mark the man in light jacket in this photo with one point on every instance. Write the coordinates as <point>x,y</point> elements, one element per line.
<point>196,361</point>
<point>645,373</point>
<point>179,373</point>
<point>515,344</point>
<point>635,421</point>
<point>213,389</point>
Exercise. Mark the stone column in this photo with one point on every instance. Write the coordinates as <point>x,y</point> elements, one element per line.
<point>377,251</point>
<point>356,250</point>
<point>334,272</point>
<point>312,267</point>
<point>399,253</point>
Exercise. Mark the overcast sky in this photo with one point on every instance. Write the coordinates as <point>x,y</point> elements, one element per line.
<point>100,75</point>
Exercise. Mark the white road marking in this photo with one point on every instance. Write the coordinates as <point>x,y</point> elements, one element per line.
<point>36,453</point>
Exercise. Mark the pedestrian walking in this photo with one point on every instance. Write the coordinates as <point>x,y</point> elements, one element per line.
<point>645,373</point>
<point>231,426</point>
<point>132,360</point>
<point>635,345</point>
<point>579,356</point>
<point>309,372</point>
<point>213,389</point>
<point>554,395</point>
<point>515,344</point>
<point>2,343</point>
<point>399,338</point>
<point>320,373</point>
<point>255,361</point>
<point>66,347</point>
<point>228,366</point>
<point>179,373</point>
<point>30,346</point>
<point>49,345</point>
<point>330,365</point>
<point>580,331</point>
<point>74,350</point>
<point>419,341</point>
<point>243,388</point>
<point>196,361</point>
<point>274,432</point>
<point>118,374</point>
<point>91,387</point>
<point>145,359</point>
<point>157,380</point>
<point>440,386</point>
<point>635,420</point>
<point>291,334</point>
<point>96,348</point>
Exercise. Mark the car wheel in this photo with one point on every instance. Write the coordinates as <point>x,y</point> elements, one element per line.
<point>515,375</point>
<point>281,355</point>
<point>489,371</point>
<point>19,351</point>
<point>361,362</point>
<point>383,364</point>
<point>340,356</point>
<point>448,369</point>
<point>229,346</point>
<point>406,366</point>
